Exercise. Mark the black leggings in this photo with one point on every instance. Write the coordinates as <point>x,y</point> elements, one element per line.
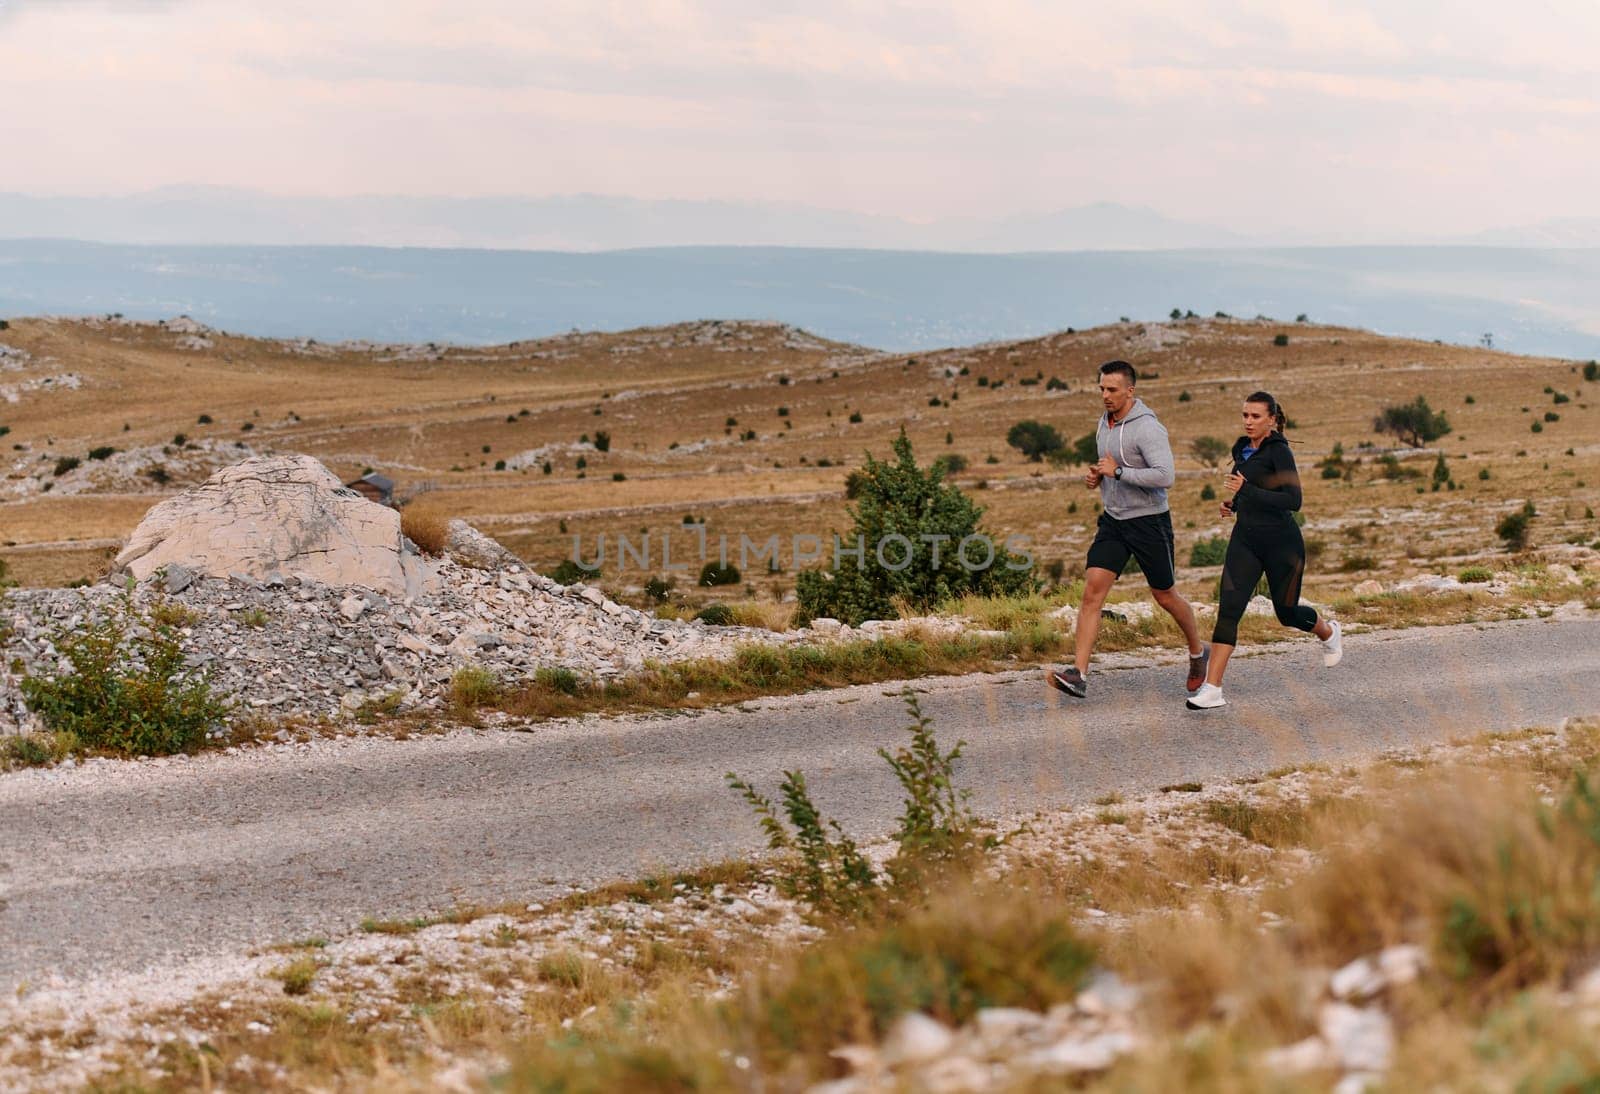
<point>1280,553</point>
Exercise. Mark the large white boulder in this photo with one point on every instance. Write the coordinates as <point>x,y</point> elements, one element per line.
<point>283,515</point>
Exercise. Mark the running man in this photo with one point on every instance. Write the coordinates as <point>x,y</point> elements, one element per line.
<point>1263,494</point>
<point>1132,474</point>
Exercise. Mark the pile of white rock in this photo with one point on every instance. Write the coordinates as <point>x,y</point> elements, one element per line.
<point>286,645</point>
<point>298,596</point>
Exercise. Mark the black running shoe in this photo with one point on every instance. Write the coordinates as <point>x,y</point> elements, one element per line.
<point>1071,681</point>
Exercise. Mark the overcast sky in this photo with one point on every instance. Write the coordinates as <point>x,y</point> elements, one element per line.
<point>1259,115</point>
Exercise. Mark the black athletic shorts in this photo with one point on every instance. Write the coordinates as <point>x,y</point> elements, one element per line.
<point>1148,539</point>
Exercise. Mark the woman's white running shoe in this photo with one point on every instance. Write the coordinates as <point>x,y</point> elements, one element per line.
<point>1208,697</point>
<point>1332,647</point>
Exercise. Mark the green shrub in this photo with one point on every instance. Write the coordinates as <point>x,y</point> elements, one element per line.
<point>899,499</point>
<point>204,419</point>
<point>1281,340</point>
<point>1353,564</point>
<point>602,440</point>
<point>1208,493</point>
<point>1184,397</point>
<point>1591,371</point>
<point>855,417</point>
<point>65,464</point>
<point>1483,474</point>
<point>950,463</point>
<point>1209,450</point>
<point>718,573</point>
<point>658,589</point>
<point>558,679</point>
<point>1055,383</point>
<point>937,827</point>
<point>1414,423</point>
<point>126,689</point>
<point>1034,440</point>
<point>474,686</point>
<point>1332,471</point>
<point>570,573</point>
<point>1441,472</point>
<point>1513,530</point>
<point>716,615</point>
<point>1475,575</point>
<point>1209,552</point>
<point>1084,450</point>
<point>1536,427</point>
<point>103,452</point>
<point>1551,416</point>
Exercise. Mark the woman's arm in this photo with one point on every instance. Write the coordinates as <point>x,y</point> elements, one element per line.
<point>1280,487</point>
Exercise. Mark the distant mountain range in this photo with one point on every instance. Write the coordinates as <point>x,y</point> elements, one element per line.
<point>590,222</point>
<point>1531,301</point>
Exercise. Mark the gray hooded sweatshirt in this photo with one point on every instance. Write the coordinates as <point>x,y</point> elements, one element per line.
<point>1139,445</point>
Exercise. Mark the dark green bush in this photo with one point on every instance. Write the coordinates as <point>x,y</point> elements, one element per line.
<point>1281,340</point>
<point>124,687</point>
<point>1208,493</point>
<point>899,499</point>
<point>1414,423</point>
<point>717,615</point>
<point>570,573</point>
<point>1209,552</point>
<point>950,463</point>
<point>1034,440</point>
<point>658,589</point>
<point>1591,371</point>
<point>1513,530</point>
<point>103,452</point>
<point>65,464</point>
<point>717,573</point>
<point>602,440</point>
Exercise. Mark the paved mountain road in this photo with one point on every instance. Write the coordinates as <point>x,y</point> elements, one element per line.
<point>124,867</point>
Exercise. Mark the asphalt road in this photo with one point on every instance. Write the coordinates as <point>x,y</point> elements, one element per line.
<point>127,867</point>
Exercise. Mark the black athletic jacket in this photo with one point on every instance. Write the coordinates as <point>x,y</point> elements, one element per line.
<point>1271,490</point>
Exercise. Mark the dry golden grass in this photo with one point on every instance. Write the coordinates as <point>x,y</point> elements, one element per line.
<point>428,528</point>
<point>427,420</point>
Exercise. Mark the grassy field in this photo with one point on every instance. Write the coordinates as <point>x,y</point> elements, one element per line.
<point>751,428</point>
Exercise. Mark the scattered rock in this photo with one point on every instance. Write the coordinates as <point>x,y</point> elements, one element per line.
<point>1360,1038</point>
<point>916,1038</point>
<point>1369,587</point>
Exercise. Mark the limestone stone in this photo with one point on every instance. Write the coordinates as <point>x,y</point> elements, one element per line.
<point>278,514</point>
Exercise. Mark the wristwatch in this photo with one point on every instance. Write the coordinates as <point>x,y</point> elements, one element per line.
<point>1117,474</point>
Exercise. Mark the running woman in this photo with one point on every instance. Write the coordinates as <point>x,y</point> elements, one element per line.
<point>1132,474</point>
<point>1263,494</point>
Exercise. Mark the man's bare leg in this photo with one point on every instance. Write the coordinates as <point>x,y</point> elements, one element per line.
<point>1097,584</point>
<point>1182,614</point>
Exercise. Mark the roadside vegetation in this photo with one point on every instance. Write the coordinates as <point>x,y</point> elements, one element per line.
<point>1439,903</point>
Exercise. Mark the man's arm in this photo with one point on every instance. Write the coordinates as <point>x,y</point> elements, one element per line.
<point>1160,475</point>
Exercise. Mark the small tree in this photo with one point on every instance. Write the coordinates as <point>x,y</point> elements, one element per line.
<point>912,516</point>
<point>602,440</point>
<point>1209,450</point>
<point>1034,440</point>
<point>1414,423</point>
<point>1441,472</point>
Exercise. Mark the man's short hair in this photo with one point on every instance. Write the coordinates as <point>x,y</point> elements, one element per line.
<point>1120,366</point>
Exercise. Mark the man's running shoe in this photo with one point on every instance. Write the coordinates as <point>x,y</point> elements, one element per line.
<point>1207,698</point>
<point>1332,646</point>
<point>1197,668</point>
<point>1071,681</point>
